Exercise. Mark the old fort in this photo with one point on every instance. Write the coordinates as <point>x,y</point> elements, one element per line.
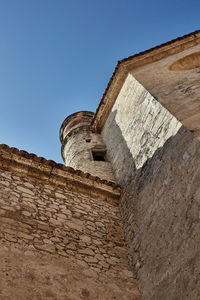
<point>122,219</point>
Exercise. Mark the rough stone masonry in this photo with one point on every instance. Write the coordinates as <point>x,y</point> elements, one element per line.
<point>57,241</point>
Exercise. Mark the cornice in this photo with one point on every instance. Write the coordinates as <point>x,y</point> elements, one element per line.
<point>27,164</point>
<point>67,120</point>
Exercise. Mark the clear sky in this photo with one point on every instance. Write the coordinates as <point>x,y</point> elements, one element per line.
<point>56,58</point>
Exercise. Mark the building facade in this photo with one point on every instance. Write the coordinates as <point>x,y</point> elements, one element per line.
<point>122,219</point>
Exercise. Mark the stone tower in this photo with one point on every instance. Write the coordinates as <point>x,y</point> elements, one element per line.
<point>83,149</point>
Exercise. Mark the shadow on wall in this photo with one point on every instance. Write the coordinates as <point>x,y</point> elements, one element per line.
<point>118,153</point>
<point>160,206</point>
<point>126,162</point>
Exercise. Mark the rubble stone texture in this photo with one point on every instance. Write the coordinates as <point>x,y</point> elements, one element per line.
<point>61,244</point>
<point>160,207</point>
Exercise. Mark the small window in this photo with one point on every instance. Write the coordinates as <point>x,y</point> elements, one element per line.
<point>88,140</point>
<point>98,156</point>
<point>99,152</point>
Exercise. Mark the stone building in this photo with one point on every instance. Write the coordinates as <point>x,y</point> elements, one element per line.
<point>122,219</point>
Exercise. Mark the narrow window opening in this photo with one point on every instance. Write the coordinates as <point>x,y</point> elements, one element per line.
<point>99,153</point>
<point>88,140</point>
<point>98,156</point>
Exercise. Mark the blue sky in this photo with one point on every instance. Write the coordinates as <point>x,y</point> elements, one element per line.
<point>56,58</point>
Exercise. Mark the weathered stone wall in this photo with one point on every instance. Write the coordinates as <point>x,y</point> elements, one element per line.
<point>59,243</point>
<point>77,153</point>
<point>78,141</point>
<point>158,166</point>
<point>28,274</point>
<point>160,208</point>
<point>135,128</point>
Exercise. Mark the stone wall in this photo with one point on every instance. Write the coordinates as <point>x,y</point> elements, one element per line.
<point>58,242</point>
<point>77,153</point>
<point>157,163</point>
<point>135,128</point>
<point>160,207</point>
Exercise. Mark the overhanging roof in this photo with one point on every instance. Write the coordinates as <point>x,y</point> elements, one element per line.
<point>170,72</point>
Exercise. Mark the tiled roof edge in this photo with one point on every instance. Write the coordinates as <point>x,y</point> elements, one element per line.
<point>161,45</point>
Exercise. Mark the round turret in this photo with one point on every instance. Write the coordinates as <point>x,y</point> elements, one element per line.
<point>81,148</point>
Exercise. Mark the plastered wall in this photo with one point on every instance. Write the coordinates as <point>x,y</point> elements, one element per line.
<point>58,243</point>
<point>158,164</point>
<point>135,128</point>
